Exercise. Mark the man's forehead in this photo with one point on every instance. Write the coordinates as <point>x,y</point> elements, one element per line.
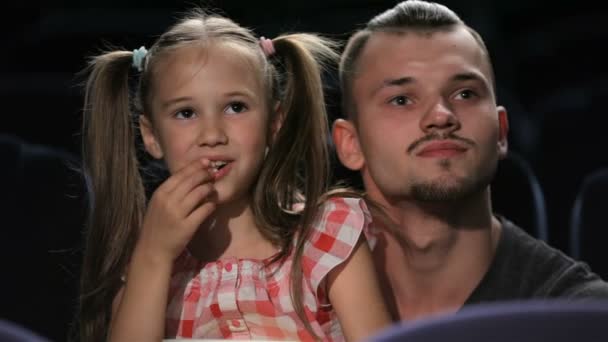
<point>389,50</point>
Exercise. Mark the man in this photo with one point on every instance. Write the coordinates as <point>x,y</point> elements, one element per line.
<point>426,134</point>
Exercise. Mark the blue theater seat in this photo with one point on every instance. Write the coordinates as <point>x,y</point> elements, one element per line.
<point>526,321</point>
<point>42,208</point>
<point>11,332</point>
<point>588,228</point>
<point>517,195</point>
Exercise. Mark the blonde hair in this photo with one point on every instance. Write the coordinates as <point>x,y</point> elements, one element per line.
<point>296,168</point>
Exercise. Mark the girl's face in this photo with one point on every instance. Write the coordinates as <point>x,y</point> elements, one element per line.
<point>209,103</point>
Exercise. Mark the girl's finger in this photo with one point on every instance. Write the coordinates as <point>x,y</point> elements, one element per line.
<point>200,214</point>
<point>199,195</point>
<point>184,173</point>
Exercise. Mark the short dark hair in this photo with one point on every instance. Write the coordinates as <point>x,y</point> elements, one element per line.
<point>410,15</point>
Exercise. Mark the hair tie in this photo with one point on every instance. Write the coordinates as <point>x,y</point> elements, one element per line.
<point>138,58</point>
<point>267,46</point>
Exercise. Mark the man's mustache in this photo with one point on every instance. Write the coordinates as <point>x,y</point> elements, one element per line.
<point>439,136</point>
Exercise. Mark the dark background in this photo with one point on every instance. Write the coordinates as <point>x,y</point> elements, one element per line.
<point>550,75</point>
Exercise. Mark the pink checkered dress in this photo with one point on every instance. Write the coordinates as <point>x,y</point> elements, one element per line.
<point>244,299</point>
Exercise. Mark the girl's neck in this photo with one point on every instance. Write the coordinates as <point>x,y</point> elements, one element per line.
<point>230,232</point>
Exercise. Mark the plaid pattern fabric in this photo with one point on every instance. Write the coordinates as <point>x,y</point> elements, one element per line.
<point>245,299</point>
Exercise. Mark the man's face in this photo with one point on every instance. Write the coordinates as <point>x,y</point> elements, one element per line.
<point>427,122</point>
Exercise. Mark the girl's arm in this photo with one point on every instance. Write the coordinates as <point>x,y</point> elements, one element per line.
<point>138,310</point>
<point>176,210</point>
<point>355,294</point>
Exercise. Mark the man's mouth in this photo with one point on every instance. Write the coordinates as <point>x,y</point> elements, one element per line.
<point>441,149</point>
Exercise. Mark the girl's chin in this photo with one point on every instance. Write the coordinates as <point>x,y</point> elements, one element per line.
<point>225,197</point>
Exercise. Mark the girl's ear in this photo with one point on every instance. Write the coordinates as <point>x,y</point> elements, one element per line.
<point>347,145</point>
<point>148,136</point>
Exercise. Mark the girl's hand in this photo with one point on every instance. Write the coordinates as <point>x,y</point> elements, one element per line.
<point>176,210</point>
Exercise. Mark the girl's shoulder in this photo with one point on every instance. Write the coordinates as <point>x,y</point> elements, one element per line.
<point>338,216</point>
<point>343,203</point>
<point>339,224</point>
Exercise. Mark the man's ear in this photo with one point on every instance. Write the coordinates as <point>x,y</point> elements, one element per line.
<point>347,145</point>
<point>150,141</point>
<point>503,132</point>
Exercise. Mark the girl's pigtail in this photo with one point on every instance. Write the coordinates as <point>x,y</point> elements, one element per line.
<point>117,196</point>
<point>298,161</point>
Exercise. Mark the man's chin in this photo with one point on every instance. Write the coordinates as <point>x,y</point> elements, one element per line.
<point>444,190</point>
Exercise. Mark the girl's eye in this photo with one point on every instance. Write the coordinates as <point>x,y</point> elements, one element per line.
<point>400,100</point>
<point>185,114</point>
<point>236,107</point>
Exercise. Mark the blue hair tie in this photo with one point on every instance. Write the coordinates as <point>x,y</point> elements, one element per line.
<point>138,58</point>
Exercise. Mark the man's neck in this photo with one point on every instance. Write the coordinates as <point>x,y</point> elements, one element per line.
<point>436,255</point>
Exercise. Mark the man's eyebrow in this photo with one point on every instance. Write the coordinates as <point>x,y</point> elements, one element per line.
<point>469,76</point>
<point>394,82</point>
<point>397,82</point>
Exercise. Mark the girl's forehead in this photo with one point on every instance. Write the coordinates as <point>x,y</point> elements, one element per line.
<point>186,61</point>
<point>200,54</point>
<point>195,72</point>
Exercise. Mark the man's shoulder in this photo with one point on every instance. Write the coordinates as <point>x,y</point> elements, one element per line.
<point>525,267</point>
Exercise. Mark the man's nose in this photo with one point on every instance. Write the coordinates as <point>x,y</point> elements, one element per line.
<point>439,117</point>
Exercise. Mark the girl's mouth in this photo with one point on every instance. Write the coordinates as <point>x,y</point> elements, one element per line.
<point>220,168</point>
<point>217,165</point>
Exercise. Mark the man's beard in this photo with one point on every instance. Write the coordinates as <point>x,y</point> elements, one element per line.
<point>449,190</point>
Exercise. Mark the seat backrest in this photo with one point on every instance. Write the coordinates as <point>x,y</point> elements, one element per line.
<point>42,204</point>
<point>11,332</point>
<point>521,321</point>
<point>588,231</point>
<point>517,195</point>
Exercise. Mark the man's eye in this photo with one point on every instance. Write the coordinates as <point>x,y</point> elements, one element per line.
<point>466,94</point>
<point>400,100</point>
<point>236,107</point>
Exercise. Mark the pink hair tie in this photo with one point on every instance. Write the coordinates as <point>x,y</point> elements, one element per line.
<point>267,46</point>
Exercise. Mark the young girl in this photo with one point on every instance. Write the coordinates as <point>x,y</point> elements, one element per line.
<point>242,240</point>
